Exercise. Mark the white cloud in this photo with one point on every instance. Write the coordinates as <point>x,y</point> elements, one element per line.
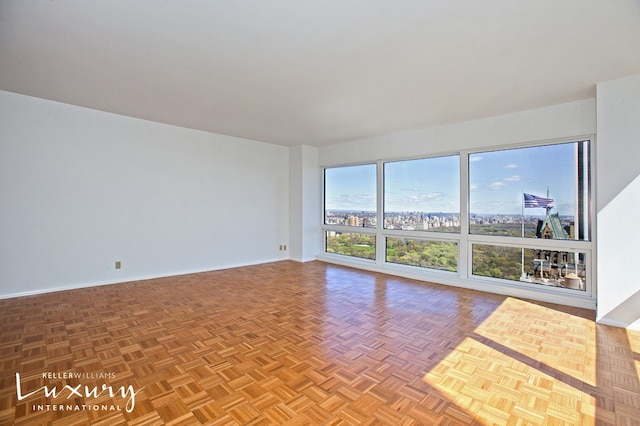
<point>424,197</point>
<point>511,166</point>
<point>475,158</point>
<point>497,185</point>
<point>352,201</point>
<point>513,178</point>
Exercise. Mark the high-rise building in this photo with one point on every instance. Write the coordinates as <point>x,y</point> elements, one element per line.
<point>353,221</point>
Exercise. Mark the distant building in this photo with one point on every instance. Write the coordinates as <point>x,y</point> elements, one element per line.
<point>423,224</point>
<point>551,228</point>
<point>353,221</point>
<point>556,265</point>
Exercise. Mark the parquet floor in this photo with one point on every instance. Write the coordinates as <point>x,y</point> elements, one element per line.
<point>309,344</point>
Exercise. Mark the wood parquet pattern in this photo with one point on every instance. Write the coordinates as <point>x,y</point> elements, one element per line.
<point>312,344</point>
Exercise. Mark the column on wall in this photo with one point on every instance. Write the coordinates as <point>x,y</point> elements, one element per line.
<point>304,203</point>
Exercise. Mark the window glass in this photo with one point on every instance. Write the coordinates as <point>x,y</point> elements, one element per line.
<point>538,191</point>
<point>350,196</point>
<point>351,244</point>
<point>544,267</point>
<point>423,195</point>
<point>533,192</point>
<point>442,255</point>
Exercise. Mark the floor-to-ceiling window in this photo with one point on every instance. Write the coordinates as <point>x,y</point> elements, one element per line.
<point>529,214</point>
<point>350,211</point>
<point>421,209</point>
<point>518,217</point>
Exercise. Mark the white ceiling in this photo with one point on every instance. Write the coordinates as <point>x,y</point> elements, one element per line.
<point>315,72</point>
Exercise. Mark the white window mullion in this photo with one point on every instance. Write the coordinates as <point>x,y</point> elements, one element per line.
<point>464,249</point>
<point>380,238</point>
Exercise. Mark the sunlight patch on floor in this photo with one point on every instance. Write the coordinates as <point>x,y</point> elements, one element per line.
<point>493,387</point>
<point>561,341</point>
<point>524,361</point>
<point>634,344</point>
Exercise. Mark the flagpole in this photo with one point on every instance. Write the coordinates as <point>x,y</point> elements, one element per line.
<point>522,277</point>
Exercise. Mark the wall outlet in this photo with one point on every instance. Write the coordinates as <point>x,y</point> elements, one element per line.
<point>285,247</point>
<point>118,264</point>
<point>280,246</point>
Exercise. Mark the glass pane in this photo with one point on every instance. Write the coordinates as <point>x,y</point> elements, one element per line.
<point>534,192</point>
<point>544,267</point>
<point>423,195</point>
<point>441,255</point>
<point>350,196</point>
<point>350,244</point>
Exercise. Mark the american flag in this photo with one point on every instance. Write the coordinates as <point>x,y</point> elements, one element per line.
<point>533,201</point>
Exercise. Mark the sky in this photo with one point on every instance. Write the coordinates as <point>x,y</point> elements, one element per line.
<point>497,180</point>
<point>429,185</point>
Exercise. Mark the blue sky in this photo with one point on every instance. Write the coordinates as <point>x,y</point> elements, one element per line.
<point>351,188</point>
<point>428,185</point>
<point>497,180</point>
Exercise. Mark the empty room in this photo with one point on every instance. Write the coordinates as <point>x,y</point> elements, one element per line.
<point>319,213</point>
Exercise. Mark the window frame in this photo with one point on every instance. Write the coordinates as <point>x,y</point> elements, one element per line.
<point>346,228</point>
<point>464,276</point>
<point>383,195</point>
<point>324,197</point>
<point>589,174</point>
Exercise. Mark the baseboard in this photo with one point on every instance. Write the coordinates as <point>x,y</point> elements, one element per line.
<point>620,324</point>
<point>132,278</point>
<point>302,260</point>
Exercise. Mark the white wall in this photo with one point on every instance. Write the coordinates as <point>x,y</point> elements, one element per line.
<point>618,201</point>
<point>81,189</point>
<point>558,121</point>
